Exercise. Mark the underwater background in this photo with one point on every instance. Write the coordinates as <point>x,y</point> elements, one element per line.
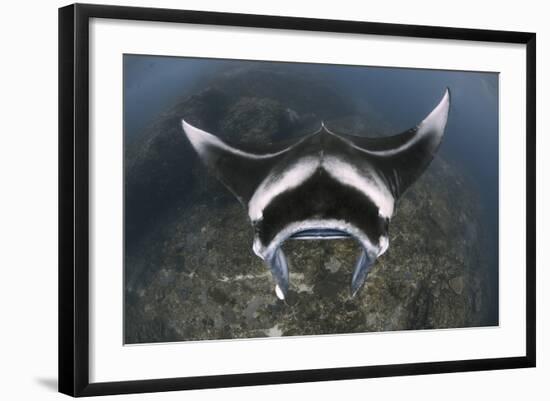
<point>189,269</point>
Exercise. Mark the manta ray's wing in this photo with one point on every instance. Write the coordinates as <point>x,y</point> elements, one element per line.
<point>403,158</point>
<point>241,172</point>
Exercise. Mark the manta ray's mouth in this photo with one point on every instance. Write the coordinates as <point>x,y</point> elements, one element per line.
<point>320,233</point>
<point>278,264</point>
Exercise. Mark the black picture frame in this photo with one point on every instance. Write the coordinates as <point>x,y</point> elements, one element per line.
<point>74,198</point>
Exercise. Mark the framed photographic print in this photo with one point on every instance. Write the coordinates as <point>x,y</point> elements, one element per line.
<point>249,199</point>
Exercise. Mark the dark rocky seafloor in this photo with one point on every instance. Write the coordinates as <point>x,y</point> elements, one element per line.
<point>190,273</point>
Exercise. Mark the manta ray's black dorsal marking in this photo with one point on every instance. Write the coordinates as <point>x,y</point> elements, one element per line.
<point>324,186</point>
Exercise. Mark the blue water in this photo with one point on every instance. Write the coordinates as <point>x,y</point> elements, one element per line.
<point>153,83</point>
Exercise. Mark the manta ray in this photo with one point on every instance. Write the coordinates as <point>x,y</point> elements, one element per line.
<point>323,186</point>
